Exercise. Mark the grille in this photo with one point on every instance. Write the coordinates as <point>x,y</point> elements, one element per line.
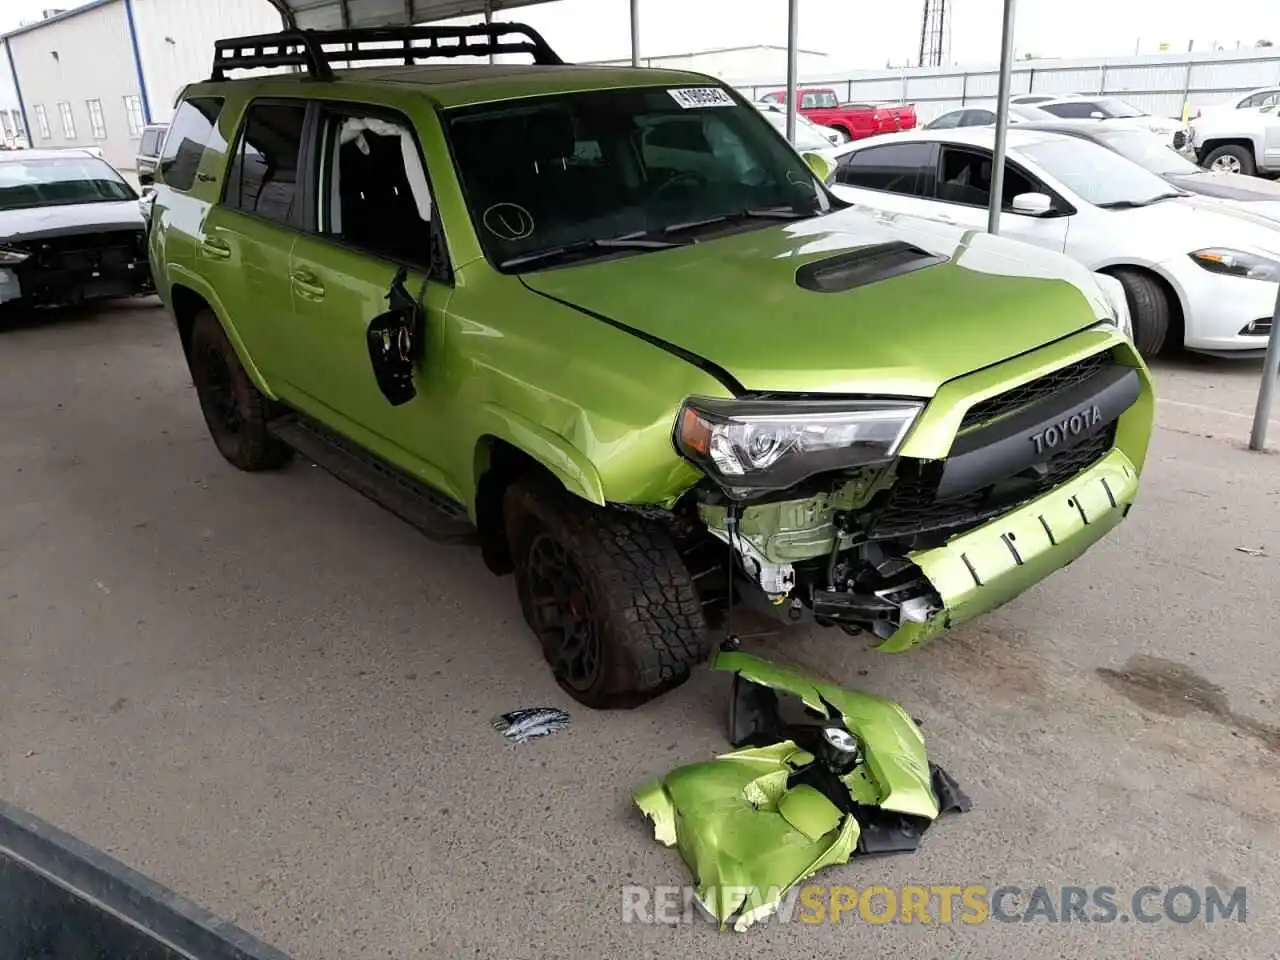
<point>1014,400</point>
<point>87,252</point>
<point>913,509</point>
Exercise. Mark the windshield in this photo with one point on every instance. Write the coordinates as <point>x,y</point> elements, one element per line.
<point>547,173</point>
<point>1150,152</point>
<point>1095,173</point>
<point>58,181</point>
<point>1116,109</point>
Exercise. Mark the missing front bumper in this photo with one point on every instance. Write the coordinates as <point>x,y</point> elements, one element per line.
<point>984,568</point>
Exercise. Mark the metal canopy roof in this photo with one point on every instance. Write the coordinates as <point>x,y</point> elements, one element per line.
<point>336,14</point>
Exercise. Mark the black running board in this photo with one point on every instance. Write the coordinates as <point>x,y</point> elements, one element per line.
<point>430,512</point>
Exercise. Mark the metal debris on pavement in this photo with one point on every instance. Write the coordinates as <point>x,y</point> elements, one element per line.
<point>1252,551</point>
<point>520,726</point>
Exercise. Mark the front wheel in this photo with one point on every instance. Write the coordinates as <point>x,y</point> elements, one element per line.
<point>1149,309</point>
<point>1232,158</point>
<point>843,134</point>
<point>607,595</point>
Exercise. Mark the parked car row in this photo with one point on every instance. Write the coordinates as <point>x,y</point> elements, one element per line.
<point>1199,270</point>
<point>852,121</point>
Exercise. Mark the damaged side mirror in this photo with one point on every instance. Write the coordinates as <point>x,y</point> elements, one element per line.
<point>395,342</point>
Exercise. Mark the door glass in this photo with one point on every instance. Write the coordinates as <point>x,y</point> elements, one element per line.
<point>264,173</point>
<point>1072,110</point>
<point>194,126</point>
<point>947,121</point>
<point>376,189</point>
<point>894,167</point>
<point>966,179</point>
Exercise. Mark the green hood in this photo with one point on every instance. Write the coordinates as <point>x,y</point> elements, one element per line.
<point>735,301</point>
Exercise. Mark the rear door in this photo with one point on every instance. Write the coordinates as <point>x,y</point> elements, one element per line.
<point>243,248</point>
<point>370,215</point>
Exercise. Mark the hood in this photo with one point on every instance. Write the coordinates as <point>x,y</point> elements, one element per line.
<point>71,218</point>
<point>1264,213</point>
<point>737,302</point>
<point>1228,186</point>
<point>1177,227</point>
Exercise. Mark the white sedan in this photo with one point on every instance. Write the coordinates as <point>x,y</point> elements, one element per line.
<point>1196,276</point>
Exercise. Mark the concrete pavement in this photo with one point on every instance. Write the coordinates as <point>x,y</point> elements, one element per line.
<point>274,697</point>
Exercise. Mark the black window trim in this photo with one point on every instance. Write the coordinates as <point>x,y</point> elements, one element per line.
<point>1061,206</point>
<point>301,216</point>
<point>162,140</point>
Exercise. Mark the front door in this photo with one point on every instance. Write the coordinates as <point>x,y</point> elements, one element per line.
<point>373,217</point>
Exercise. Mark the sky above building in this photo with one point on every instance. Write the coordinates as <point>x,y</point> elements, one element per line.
<point>863,35</point>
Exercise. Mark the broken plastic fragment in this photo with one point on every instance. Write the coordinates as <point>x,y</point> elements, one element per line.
<point>754,823</point>
<point>520,726</point>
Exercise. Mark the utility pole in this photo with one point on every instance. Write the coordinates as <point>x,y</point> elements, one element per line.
<point>1002,121</point>
<point>933,34</point>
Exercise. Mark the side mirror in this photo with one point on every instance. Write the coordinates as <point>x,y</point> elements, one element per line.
<point>394,341</point>
<point>1097,115</point>
<point>822,167</point>
<point>146,179</point>
<point>1032,204</point>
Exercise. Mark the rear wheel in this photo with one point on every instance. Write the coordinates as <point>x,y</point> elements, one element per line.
<point>1149,309</point>
<point>235,412</point>
<point>1232,158</point>
<point>607,595</point>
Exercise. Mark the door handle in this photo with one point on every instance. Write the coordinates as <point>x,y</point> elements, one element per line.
<point>307,284</point>
<point>206,177</point>
<point>213,247</point>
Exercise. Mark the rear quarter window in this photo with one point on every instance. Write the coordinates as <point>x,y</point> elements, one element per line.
<point>194,126</point>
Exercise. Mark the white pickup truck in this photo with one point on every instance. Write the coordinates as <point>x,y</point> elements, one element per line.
<point>1239,141</point>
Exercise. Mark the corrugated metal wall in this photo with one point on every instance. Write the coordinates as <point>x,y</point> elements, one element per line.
<point>1159,83</point>
<point>175,39</point>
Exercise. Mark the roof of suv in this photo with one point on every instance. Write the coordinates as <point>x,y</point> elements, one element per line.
<point>458,85</point>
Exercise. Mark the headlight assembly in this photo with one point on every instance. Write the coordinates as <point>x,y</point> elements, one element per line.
<point>9,257</point>
<point>753,446</point>
<point>1237,263</point>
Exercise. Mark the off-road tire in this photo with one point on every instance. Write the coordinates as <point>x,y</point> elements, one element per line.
<point>235,412</point>
<point>1242,154</point>
<point>643,604</point>
<point>1149,309</point>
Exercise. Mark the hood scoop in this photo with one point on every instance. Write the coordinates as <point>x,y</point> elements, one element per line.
<point>863,266</point>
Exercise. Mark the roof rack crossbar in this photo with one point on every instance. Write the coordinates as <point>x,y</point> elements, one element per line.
<point>318,50</point>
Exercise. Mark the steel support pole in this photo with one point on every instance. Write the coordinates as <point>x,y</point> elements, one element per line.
<point>488,22</point>
<point>1270,370</point>
<point>793,65</point>
<point>635,33</point>
<point>1002,120</point>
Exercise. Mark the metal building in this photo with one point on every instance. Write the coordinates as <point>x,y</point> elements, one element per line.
<point>95,75</point>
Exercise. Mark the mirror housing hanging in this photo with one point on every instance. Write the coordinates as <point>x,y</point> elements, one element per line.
<point>394,341</point>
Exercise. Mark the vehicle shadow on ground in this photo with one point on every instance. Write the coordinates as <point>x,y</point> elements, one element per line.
<point>29,318</point>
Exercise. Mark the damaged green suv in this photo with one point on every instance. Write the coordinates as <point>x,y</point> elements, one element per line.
<point>609,324</point>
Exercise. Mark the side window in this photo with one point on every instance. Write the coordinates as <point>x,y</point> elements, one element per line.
<point>1267,99</point>
<point>376,190</point>
<point>195,125</point>
<point>978,118</point>
<point>895,167</point>
<point>1073,110</point>
<point>808,101</point>
<point>966,179</point>
<point>947,120</point>
<point>264,171</point>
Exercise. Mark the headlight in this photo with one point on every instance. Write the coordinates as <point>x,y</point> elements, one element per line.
<point>1113,290</point>
<point>1237,263</point>
<point>752,446</point>
<point>10,257</point>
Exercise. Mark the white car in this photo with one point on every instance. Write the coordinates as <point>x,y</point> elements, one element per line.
<point>1112,111</point>
<point>810,138</point>
<point>1193,275</point>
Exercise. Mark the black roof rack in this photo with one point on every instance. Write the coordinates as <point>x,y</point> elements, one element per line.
<point>317,50</point>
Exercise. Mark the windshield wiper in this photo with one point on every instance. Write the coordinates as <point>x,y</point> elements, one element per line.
<point>1129,204</point>
<point>765,213</point>
<point>630,241</point>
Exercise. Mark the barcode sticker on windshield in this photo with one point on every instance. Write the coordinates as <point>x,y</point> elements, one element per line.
<point>693,97</point>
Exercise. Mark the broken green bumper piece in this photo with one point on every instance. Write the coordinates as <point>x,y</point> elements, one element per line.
<point>987,567</point>
<point>754,823</point>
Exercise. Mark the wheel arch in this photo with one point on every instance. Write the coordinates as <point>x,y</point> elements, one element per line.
<point>511,447</point>
<point>1213,143</point>
<point>1172,290</point>
<point>188,295</point>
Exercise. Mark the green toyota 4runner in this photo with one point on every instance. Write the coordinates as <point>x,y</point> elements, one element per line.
<point>607,323</point>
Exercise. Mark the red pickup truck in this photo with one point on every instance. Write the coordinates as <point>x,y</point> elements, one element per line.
<point>853,120</point>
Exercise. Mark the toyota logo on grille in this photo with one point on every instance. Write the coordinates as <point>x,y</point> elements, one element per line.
<point>1054,435</point>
